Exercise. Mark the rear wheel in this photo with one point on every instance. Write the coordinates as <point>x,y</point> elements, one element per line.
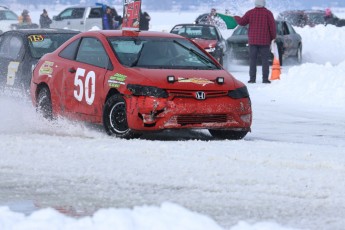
<point>280,53</point>
<point>228,134</point>
<point>221,60</point>
<point>44,103</point>
<point>115,118</point>
<point>299,55</point>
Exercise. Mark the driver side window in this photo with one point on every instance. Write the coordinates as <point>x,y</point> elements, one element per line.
<point>11,47</point>
<point>91,51</point>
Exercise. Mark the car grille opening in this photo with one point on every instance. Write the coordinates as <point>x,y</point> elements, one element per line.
<point>191,94</point>
<point>199,119</point>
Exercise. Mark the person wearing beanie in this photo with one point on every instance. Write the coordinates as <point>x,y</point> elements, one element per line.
<point>45,21</point>
<point>261,32</point>
<point>260,3</point>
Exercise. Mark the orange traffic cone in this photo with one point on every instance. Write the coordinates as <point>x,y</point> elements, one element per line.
<point>275,73</point>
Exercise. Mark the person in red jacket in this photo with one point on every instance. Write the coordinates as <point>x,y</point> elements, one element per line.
<point>261,32</point>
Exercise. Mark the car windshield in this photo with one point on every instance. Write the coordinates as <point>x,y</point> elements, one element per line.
<point>241,30</point>
<point>316,18</point>
<point>40,44</point>
<point>196,31</point>
<point>167,53</point>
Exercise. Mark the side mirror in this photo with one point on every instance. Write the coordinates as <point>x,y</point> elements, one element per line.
<point>56,18</point>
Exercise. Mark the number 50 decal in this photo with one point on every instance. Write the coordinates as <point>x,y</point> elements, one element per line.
<point>79,92</point>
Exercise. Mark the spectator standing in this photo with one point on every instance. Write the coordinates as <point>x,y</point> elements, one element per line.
<point>211,18</point>
<point>261,32</point>
<point>329,19</point>
<point>108,19</point>
<point>45,20</point>
<point>24,18</point>
<point>144,21</point>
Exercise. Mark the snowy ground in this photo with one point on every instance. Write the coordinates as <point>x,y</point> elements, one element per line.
<point>288,173</point>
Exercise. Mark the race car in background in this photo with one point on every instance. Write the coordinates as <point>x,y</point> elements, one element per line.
<point>206,36</point>
<point>21,49</point>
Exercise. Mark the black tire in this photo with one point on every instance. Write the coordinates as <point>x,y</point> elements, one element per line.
<point>299,55</point>
<point>280,53</point>
<point>44,103</point>
<point>221,60</point>
<point>231,55</point>
<point>280,47</point>
<point>115,118</point>
<point>228,134</point>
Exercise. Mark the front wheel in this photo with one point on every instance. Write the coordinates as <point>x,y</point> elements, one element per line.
<point>115,118</point>
<point>228,134</point>
<point>44,103</point>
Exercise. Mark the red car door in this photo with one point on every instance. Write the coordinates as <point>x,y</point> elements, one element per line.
<point>83,80</point>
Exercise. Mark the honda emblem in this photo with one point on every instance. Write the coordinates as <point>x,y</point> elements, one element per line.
<point>200,95</point>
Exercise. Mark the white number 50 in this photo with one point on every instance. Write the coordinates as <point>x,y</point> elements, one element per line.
<point>79,92</point>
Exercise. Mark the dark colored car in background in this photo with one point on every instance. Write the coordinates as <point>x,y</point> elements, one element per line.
<point>201,19</point>
<point>294,17</point>
<point>301,18</point>
<point>207,36</point>
<point>20,50</point>
<point>288,41</point>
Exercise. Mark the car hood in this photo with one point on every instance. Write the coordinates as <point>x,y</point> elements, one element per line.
<point>238,39</point>
<point>205,44</point>
<point>184,79</point>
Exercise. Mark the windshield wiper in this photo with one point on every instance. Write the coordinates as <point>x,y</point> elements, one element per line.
<point>200,56</point>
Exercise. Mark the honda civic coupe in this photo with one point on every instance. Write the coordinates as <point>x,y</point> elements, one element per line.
<point>20,51</point>
<point>134,82</point>
<point>207,36</point>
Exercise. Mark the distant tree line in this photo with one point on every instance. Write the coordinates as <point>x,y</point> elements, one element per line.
<point>185,4</point>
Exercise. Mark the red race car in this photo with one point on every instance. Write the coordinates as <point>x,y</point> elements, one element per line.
<point>135,82</point>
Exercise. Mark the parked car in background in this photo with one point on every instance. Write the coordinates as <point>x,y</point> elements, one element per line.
<point>202,19</point>
<point>82,18</point>
<point>134,82</point>
<point>301,18</point>
<point>20,51</point>
<point>289,42</point>
<point>7,18</point>
<point>314,17</point>
<point>294,17</point>
<point>206,36</point>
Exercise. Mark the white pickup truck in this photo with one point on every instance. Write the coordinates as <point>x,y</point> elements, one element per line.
<point>82,18</point>
<point>7,18</point>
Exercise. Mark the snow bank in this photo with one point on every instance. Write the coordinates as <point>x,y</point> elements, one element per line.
<point>167,217</point>
<point>320,81</point>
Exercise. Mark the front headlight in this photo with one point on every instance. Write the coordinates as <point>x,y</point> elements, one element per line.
<point>239,93</point>
<point>210,49</point>
<point>141,90</point>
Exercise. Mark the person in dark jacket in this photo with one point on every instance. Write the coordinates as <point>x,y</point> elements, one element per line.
<point>261,32</point>
<point>108,19</point>
<point>144,21</point>
<point>45,21</point>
